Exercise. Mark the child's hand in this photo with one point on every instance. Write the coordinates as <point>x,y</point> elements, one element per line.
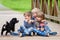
<point>43,20</point>
<point>32,20</point>
<point>26,20</point>
<point>37,28</point>
<point>42,29</point>
<point>29,21</point>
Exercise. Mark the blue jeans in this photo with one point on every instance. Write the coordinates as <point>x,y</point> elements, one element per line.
<point>47,29</point>
<point>20,30</point>
<point>42,33</point>
<point>15,33</point>
<point>25,31</point>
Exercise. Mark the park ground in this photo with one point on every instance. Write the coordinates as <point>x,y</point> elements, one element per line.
<point>8,14</point>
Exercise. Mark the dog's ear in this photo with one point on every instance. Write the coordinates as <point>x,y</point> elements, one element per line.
<point>13,19</point>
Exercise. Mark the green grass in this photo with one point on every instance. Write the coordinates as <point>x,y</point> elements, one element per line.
<point>59,4</point>
<point>0,1</point>
<point>22,5</point>
<point>19,5</point>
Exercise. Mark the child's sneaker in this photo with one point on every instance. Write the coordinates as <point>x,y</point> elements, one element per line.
<point>23,35</point>
<point>53,33</point>
<point>47,35</point>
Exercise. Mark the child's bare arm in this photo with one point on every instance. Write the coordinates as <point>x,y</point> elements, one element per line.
<point>43,21</point>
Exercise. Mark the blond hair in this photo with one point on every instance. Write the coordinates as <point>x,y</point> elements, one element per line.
<point>41,15</point>
<point>35,10</point>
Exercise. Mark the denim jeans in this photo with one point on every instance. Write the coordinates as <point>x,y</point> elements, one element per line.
<point>25,31</point>
<point>42,33</point>
<point>15,33</point>
<point>28,31</point>
<point>47,29</point>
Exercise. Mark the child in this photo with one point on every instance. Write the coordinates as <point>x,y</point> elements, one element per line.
<point>41,25</point>
<point>28,24</point>
<point>41,19</point>
<point>35,11</point>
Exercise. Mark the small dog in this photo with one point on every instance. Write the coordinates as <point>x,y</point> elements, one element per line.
<point>9,27</point>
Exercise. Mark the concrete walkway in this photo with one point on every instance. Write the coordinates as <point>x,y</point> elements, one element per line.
<point>8,15</point>
<point>3,8</point>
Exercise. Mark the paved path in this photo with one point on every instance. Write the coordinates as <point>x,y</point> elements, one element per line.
<point>2,7</point>
<point>8,15</point>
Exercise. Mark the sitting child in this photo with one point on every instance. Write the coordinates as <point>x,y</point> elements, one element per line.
<point>35,11</point>
<point>40,25</point>
<point>28,24</point>
<point>42,28</point>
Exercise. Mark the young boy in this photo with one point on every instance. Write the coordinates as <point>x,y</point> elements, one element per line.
<point>28,25</point>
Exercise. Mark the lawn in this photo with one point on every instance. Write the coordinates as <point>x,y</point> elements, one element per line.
<point>19,5</point>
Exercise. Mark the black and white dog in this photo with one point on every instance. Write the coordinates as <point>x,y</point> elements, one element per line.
<point>9,26</point>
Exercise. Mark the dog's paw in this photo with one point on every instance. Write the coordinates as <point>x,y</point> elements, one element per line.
<point>4,27</point>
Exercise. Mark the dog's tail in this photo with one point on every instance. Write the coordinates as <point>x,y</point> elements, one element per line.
<point>5,24</point>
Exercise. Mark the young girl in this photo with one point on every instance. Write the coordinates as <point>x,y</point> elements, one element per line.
<point>41,25</point>
<point>35,11</point>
